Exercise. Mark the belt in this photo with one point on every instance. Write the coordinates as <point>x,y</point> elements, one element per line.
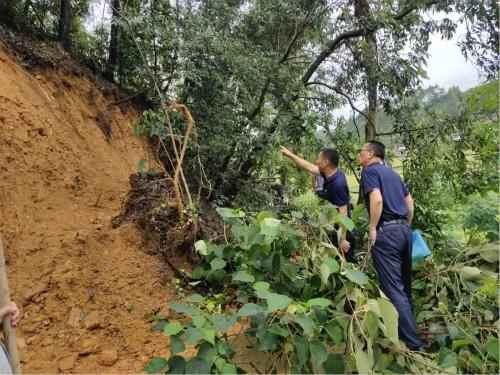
<point>389,222</point>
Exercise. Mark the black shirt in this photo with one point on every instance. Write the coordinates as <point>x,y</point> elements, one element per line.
<point>334,189</point>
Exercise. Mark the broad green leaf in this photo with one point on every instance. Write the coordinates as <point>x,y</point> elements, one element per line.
<point>193,335</point>
<point>250,309</point>
<point>270,227</point>
<point>201,247</point>
<point>318,352</point>
<point>469,273</point>
<point>176,344</point>
<point>319,302</point>
<point>334,364</point>
<point>370,323</point>
<point>171,329</point>
<point>177,365</point>
<point>279,330</point>
<point>302,349</point>
<point>184,309</point>
<point>209,335</point>
<point>268,342</point>
<point>345,222</point>
<point>261,216</point>
<point>197,366</point>
<point>243,276</point>
<point>195,298</point>
<point>390,317</point>
<point>356,276</point>
<point>328,267</point>
<point>199,321</point>
<point>277,301</point>
<point>492,348</point>
<point>306,323</point>
<point>335,332</point>
<point>217,264</point>
<point>261,285</point>
<point>363,362</point>
<point>229,213</point>
<point>207,352</point>
<point>223,323</point>
<point>228,369</point>
<point>447,358</point>
<point>156,365</point>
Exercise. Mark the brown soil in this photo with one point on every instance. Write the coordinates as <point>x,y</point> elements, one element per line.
<point>84,287</point>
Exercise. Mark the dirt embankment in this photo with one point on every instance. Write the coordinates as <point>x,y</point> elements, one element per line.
<point>85,288</point>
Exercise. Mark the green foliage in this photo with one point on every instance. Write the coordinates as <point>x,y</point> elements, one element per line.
<point>482,215</point>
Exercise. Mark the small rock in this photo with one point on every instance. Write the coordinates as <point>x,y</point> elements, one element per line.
<point>21,343</point>
<point>67,363</point>
<point>34,290</point>
<point>108,357</point>
<point>89,346</point>
<point>74,317</point>
<point>92,321</point>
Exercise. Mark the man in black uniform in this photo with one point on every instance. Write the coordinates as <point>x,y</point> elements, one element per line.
<point>332,186</point>
<point>390,207</point>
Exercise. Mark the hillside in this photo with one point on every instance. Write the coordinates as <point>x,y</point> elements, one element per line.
<point>84,288</point>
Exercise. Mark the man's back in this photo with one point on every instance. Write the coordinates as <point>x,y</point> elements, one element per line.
<point>392,188</point>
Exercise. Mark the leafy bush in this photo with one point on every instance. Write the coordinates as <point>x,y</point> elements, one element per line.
<point>482,216</point>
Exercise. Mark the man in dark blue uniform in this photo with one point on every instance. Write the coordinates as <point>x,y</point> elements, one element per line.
<point>390,207</point>
<point>331,184</point>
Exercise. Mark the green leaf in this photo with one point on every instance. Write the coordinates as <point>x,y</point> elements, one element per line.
<point>469,273</point>
<point>193,335</point>
<point>277,301</point>
<point>176,345</point>
<point>279,330</point>
<point>156,365</point>
<point>335,332</point>
<point>177,365</point>
<point>261,285</point>
<point>223,323</point>
<point>207,352</point>
<point>270,227</point>
<point>171,329</point>
<point>390,317</point>
<point>306,323</point>
<point>492,348</point>
<point>195,298</point>
<point>328,267</point>
<point>217,264</point>
<point>268,342</point>
<point>356,276</point>
<point>197,366</point>
<point>301,349</point>
<point>243,276</point>
<point>229,213</point>
<point>199,321</point>
<point>318,352</point>
<point>363,363</point>
<point>209,335</point>
<point>250,309</point>
<point>319,302</point>
<point>370,323</point>
<point>334,364</point>
<point>183,309</point>
<point>345,222</point>
<point>447,358</point>
<point>201,247</point>
<point>229,368</point>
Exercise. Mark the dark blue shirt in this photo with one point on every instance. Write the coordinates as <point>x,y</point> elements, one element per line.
<point>335,189</point>
<point>392,188</point>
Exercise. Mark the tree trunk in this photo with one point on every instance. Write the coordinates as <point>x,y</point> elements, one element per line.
<point>370,63</point>
<point>65,24</point>
<point>114,41</point>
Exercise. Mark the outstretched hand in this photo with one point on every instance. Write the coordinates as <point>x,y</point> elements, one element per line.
<point>286,152</point>
<point>11,311</point>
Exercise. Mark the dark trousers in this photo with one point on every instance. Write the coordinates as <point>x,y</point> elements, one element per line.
<point>392,259</point>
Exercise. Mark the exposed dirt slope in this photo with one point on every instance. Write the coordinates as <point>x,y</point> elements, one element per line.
<point>84,287</point>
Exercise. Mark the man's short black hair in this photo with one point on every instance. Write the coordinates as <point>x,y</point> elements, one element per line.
<point>378,149</point>
<point>331,155</point>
